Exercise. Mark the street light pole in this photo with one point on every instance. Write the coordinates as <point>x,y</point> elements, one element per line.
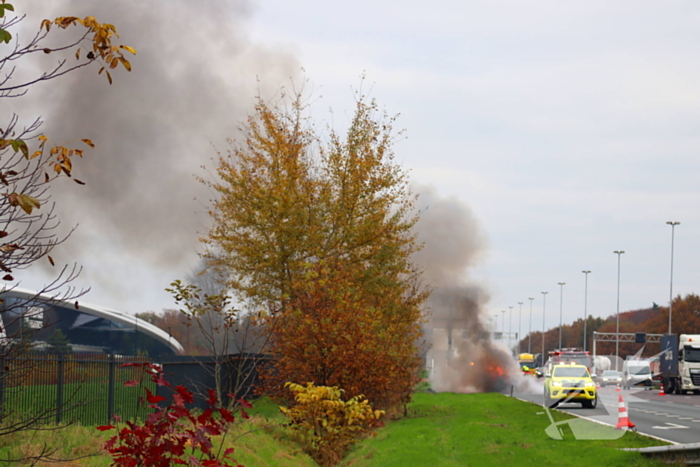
<point>520,323</point>
<point>617,328</point>
<point>544,297</point>
<point>670,300</point>
<point>503,323</point>
<point>495,325</point>
<point>585,309</point>
<point>529,334</point>
<point>510,324</point>
<point>561,307</point>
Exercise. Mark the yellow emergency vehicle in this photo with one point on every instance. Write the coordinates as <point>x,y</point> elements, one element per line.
<point>569,383</point>
<point>527,363</point>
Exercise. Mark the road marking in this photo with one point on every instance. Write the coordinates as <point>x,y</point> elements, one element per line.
<point>672,416</point>
<point>696,421</point>
<point>685,418</point>
<point>672,427</point>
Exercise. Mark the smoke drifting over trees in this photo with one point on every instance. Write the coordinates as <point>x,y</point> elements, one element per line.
<point>193,80</point>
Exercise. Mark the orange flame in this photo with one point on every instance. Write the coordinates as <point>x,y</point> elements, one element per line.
<point>497,370</point>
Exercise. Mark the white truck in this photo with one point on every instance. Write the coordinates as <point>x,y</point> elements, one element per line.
<point>680,363</point>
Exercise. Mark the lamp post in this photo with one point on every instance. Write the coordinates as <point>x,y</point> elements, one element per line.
<point>670,300</point>
<point>561,307</point>
<point>529,334</point>
<point>495,325</point>
<point>503,323</point>
<point>510,324</point>
<point>544,299</point>
<point>585,309</point>
<point>520,322</point>
<point>617,328</point>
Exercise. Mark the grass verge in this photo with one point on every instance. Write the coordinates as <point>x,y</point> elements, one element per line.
<point>487,429</point>
<point>258,441</point>
<point>441,430</point>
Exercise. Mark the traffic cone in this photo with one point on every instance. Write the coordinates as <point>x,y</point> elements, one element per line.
<point>623,420</point>
<point>618,387</point>
<point>597,384</point>
<point>662,393</point>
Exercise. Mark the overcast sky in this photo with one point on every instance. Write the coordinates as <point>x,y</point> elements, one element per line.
<point>568,129</point>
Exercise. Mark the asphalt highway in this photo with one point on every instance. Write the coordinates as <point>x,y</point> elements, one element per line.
<point>675,418</point>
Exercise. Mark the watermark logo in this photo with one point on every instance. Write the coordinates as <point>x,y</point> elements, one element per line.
<point>582,429</point>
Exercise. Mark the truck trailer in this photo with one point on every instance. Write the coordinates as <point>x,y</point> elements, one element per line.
<point>680,363</point>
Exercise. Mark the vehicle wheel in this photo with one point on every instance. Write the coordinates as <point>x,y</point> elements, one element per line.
<point>591,404</point>
<point>669,386</point>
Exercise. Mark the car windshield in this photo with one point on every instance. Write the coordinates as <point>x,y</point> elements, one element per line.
<point>691,354</point>
<point>527,364</point>
<point>611,373</point>
<point>576,372</point>
<point>638,370</point>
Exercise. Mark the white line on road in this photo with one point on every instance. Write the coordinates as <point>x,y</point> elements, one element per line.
<point>672,427</point>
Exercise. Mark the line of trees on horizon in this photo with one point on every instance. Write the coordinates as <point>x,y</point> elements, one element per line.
<point>653,320</point>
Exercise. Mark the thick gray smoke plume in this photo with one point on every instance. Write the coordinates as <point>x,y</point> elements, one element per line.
<point>194,79</point>
<point>462,357</point>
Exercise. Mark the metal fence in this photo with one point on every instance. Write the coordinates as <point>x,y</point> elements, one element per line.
<point>238,373</point>
<point>74,387</point>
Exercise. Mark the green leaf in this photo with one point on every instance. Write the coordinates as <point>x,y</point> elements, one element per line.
<point>19,145</point>
<point>5,36</point>
<point>5,6</point>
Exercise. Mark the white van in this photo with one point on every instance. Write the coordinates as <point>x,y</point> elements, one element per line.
<point>636,373</point>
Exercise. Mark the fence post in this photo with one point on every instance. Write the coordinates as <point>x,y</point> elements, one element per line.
<point>110,389</point>
<point>59,387</point>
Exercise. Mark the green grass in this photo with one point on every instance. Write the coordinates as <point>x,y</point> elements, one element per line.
<point>85,402</point>
<point>486,429</point>
<point>441,430</point>
<point>258,441</point>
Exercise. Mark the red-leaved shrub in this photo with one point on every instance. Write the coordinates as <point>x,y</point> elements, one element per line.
<point>171,435</point>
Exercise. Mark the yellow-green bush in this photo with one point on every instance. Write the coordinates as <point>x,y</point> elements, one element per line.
<point>325,424</point>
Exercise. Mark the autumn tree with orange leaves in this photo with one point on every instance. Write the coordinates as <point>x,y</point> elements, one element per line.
<point>333,334</point>
<point>319,235</point>
<point>29,164</point>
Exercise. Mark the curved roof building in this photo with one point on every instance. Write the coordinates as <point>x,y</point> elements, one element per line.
<point>87,327</point>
